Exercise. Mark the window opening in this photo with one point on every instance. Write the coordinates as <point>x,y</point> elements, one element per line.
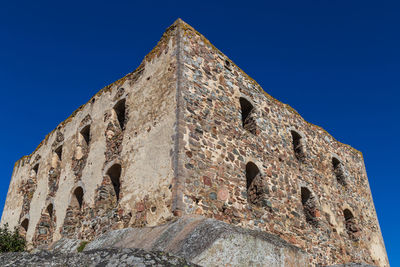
<point>25,224</point>
<point>86,134</point>
<point>120,110</point>
<point>115,173</point>
<point>351,225</point>
<point>309,206</point>
<point>58,152</point>
<point>248,121</point>
<point>255,185</point>
<point>78,193</point>
<point>338,170</point>
<point>36,168</point>
<point>298,146</point>
<point>49,210</point>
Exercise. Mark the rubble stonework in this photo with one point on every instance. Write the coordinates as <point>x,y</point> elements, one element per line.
<point>188,132</point>
<point>45,227</point>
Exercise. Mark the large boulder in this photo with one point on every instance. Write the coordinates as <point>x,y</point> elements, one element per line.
<point>207,242</point>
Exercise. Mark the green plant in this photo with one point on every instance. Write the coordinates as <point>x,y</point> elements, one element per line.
<point>11,241</point>
<point>82,246</point>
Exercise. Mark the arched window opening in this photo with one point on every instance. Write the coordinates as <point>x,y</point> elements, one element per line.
<point>85,132</point>
<point>25,224</point>
<point>78,193</point>
<point>351,225</point>
<point>338,171</point>
<point>298,146</point>
<point>309,206</point>
<point>120,110</point>
<point>58,152</point>
<point>251,172</point>
<point>36,168</point>
<point>246,107</point>
<point>348,215</point>
<point>115,173</point>
<point>255,185</point>
<point>248,120</point>
<point>49,210</point>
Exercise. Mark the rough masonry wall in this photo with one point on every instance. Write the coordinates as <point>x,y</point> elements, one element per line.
<point>108,166</point>
<point>297,193</point>
<point>189,132</point>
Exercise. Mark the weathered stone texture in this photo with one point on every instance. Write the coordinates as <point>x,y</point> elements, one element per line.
<point>207,242</point>
<point>137,136</point>
<point>175,137</point>
<point>100,257</point>
<point>218,145</point>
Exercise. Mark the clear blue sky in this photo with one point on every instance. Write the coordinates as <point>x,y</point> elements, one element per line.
<point>336,62</point>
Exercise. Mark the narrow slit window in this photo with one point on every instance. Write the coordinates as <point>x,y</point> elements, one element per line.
<point>251,172</point>
<point>246,108</point>
<point>309,206</point>
<point>115,173</point>
<point>298,146</point>
<point>49,210</point>
<point>248,121</point>
<point>58,152</point>
<point>120,110</point>
<point>85,132</point>
<point>25,224</point>
<point>36,168</point>
<point>338,171</point>
<point>78,194</point>
<point>255,185</point>
<point>351,225</point>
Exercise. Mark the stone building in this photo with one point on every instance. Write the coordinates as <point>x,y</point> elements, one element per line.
<point>188,132</point>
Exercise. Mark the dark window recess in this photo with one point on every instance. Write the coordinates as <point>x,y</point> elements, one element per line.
<point>58,151</point>
<point>25,224</point>
<point>339,172</point>
<point>248,118</point>
<point>120,110</point>
<point>36,168</point>
<point>86,134</point>
<point>309,206</point>
<point>49,210</point>
<point>351,225</point>
<point>227,65</point>
<point>115,173</point>
<point>78,193</point>
<point>298,146</point>
<point>255,185</point>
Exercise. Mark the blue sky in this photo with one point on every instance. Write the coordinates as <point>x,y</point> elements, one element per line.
<point>336,62</point>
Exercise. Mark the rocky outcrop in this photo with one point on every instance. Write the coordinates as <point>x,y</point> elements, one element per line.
<point>207,242</point>
<point>98,257</point>
<point>191,239</point>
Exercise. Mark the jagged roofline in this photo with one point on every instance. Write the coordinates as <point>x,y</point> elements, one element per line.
<point>163,41</point>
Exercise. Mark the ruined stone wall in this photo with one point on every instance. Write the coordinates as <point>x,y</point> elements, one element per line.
<point>292,187</point>
<point>189,132</point>
<point>110,165</point>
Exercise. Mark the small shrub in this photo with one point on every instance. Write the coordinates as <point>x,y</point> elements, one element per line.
<point>11,241</point>
<point>82,246</point>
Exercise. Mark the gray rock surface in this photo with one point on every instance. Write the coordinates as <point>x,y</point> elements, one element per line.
<point>66,245</point>
<point>191,238</point>
<point>99,257</point>
<point>207,242</point>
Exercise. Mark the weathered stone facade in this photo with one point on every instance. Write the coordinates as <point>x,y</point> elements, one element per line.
<point>188,132</point>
